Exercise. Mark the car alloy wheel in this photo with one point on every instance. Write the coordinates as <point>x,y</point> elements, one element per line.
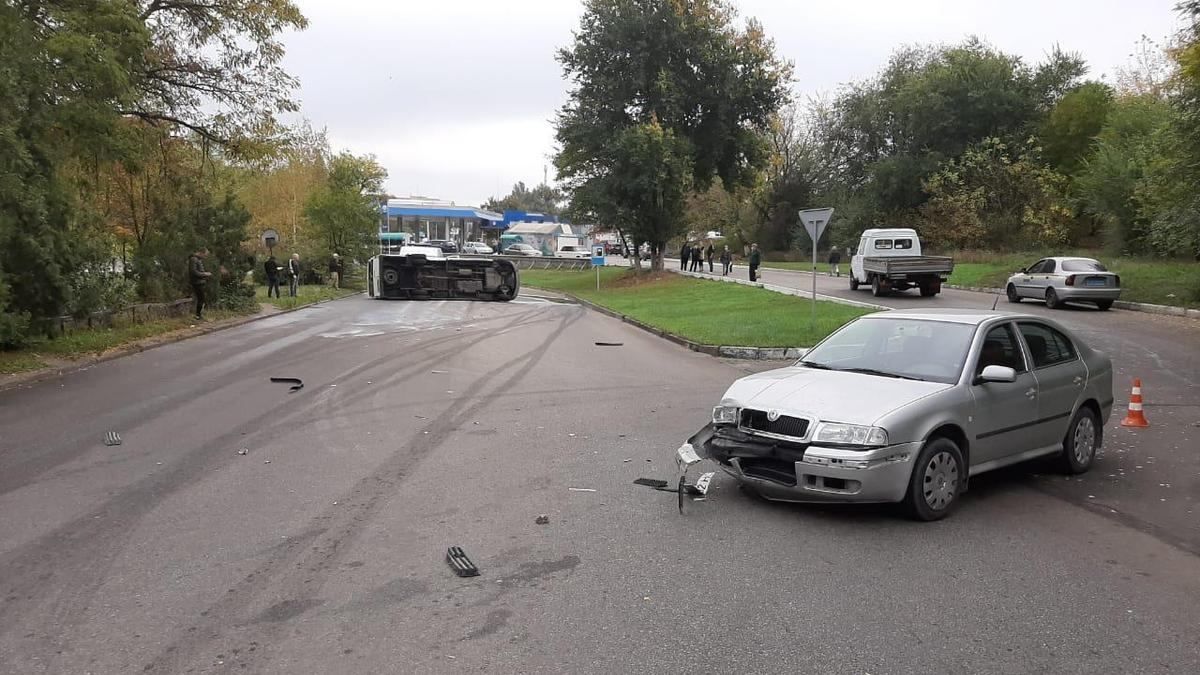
<point>940,482</point>
<point>1081,442</point>
<point>1052,299</point>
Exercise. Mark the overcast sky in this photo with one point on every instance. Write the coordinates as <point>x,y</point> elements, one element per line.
<point>456,98</point>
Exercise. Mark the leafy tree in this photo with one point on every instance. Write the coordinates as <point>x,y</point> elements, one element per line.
<point>544,198</point>
<point>343,213</point>
<point>276,192</point>
<point>665,95</point>
<point>1074,122</point>
<point>994,198</point>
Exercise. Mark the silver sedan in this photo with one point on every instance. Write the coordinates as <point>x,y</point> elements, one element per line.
<point>905,406</point>
<point>1059,280</point>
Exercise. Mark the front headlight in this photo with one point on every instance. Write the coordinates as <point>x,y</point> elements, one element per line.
<point>725,414</point>
<point>851,434</point>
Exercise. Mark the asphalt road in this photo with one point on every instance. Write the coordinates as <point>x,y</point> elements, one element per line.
<point>426,425</point>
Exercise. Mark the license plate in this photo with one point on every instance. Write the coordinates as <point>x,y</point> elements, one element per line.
<point>1097,282</point>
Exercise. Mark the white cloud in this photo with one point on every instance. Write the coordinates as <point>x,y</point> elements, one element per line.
<point>456,98</point>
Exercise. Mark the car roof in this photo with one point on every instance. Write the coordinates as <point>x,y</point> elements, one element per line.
<point>1061,258</point>
<point>965,316</point>
<point>889,231</point>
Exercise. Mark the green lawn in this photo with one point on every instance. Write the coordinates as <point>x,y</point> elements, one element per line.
<point>708,312</point>
<point>94,341</point>
<point>305,295</point>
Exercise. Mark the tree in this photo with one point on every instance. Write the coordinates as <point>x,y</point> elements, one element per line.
<point>665,95</point>
<point>541,199</point>
<point>1074,122</point>
<point>277,192</point>
<point>343,212</point>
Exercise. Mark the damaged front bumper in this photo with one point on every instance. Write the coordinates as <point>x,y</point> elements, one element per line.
<point>793,472</point>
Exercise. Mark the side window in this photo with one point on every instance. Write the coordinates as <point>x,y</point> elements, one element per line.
<point>1000,349</point>
<point>1048,267</point>
<point>1036,268</point>
<point>1047,346</point>
<point>903,243</point>
<point>883,243</point>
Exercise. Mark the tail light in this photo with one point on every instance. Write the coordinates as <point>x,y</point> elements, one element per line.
<point>1071,280</point>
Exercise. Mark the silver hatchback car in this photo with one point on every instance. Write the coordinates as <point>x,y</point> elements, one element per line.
<point>1059,280</point>
<point>905,406</point>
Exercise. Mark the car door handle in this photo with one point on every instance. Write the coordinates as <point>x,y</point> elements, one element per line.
<point>1031,393</point>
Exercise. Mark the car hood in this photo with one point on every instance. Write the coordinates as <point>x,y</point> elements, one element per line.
<point>828,395</point>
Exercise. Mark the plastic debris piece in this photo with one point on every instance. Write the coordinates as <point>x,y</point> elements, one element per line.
<point>439,372</point>
<point>458,561</point>
<point>112,438</point>
<point>542,519</point>
<point>266,461</point>
<point>651,482</point>
<point>574,489</point>
<point>297,384</point>
<point>610,344</point>
<point>243,451</point>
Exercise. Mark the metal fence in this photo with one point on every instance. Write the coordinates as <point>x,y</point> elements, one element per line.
<point>64,325</point>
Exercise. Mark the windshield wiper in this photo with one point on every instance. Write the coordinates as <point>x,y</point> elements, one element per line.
<point>881,373</point>
<point>815,365</point>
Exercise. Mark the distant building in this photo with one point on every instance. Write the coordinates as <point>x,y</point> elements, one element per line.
<point>422,219</point>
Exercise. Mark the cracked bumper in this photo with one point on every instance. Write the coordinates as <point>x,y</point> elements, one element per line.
<point>809,473</point>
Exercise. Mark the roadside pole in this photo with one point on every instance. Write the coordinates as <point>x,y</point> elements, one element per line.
<point>598,261</point>
<point>815,221</point>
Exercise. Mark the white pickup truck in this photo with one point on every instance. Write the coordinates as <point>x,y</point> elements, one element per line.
<point>890,260</point>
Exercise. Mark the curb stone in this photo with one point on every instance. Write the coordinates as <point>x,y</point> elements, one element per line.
<point>17,380</point>
<point>722,351</point>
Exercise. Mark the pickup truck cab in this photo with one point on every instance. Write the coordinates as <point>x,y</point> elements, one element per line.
<point>890,260</point>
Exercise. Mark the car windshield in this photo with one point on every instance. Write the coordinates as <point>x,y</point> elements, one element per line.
<point>1083,265</point>
<point>896,347</point>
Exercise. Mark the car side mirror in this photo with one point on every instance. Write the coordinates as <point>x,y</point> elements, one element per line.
<point>996,374</point>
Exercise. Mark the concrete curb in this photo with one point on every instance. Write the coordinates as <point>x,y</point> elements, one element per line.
<point>18,380</point>
<point>723,351</point>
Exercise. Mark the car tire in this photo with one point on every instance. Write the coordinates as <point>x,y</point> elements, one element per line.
<point>1104,305</point>
<point>1052,301</point>
<point>877,289</point>
<point>938,477</point>
<point>928,291</point>
<point>1011,291</point>
<point>1083,439</point>
<point>853,283</point>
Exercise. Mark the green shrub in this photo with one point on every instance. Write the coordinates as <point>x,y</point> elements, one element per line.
<point>14,330</point>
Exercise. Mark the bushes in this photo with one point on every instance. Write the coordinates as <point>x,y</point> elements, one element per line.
<point>100,292</point>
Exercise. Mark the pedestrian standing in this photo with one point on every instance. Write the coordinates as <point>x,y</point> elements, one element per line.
<point>708,256</point>
<point>271,267</point>
<point>335,271</point>
<point>198,278</point>
<point>835,261</point>
<point>684,254</point>
<point>697,258</point>
<point>726,262</point>
<point>293,274</point>
<point>755,261</point>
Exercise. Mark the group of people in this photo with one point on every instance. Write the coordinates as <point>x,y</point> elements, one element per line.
<point>693,257</point>
<point>273,269</point>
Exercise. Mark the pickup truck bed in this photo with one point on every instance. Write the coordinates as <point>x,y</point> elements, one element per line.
<point>901,267</point>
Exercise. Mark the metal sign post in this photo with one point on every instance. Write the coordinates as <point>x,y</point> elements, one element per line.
<point>815,221</point>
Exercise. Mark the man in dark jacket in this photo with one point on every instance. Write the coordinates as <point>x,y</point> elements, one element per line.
<point>271,267</point>
<point>198,278</point>
<point>726,262</point>
<point>684,253</point>
<point>755,261</point>
<point>697,261</point>
<point>708,256</point>
<point>835,260</point>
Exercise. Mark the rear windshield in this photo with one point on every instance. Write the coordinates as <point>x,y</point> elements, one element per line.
<point>1083,266</point>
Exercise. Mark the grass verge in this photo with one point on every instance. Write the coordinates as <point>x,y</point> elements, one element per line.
<point>305,295</point>
<point>708,312</point>
<point>95,341</point>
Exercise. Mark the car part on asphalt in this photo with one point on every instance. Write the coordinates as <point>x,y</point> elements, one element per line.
<point>112,438</point>
<point>297,384</point>
<point>542,520</point>
<point>581,489</point>
<point>610,344</point>
<point>458,561</point>
<point>651,482</point>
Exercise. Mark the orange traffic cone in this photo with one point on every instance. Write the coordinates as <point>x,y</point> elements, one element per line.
<point>1135,417</point>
